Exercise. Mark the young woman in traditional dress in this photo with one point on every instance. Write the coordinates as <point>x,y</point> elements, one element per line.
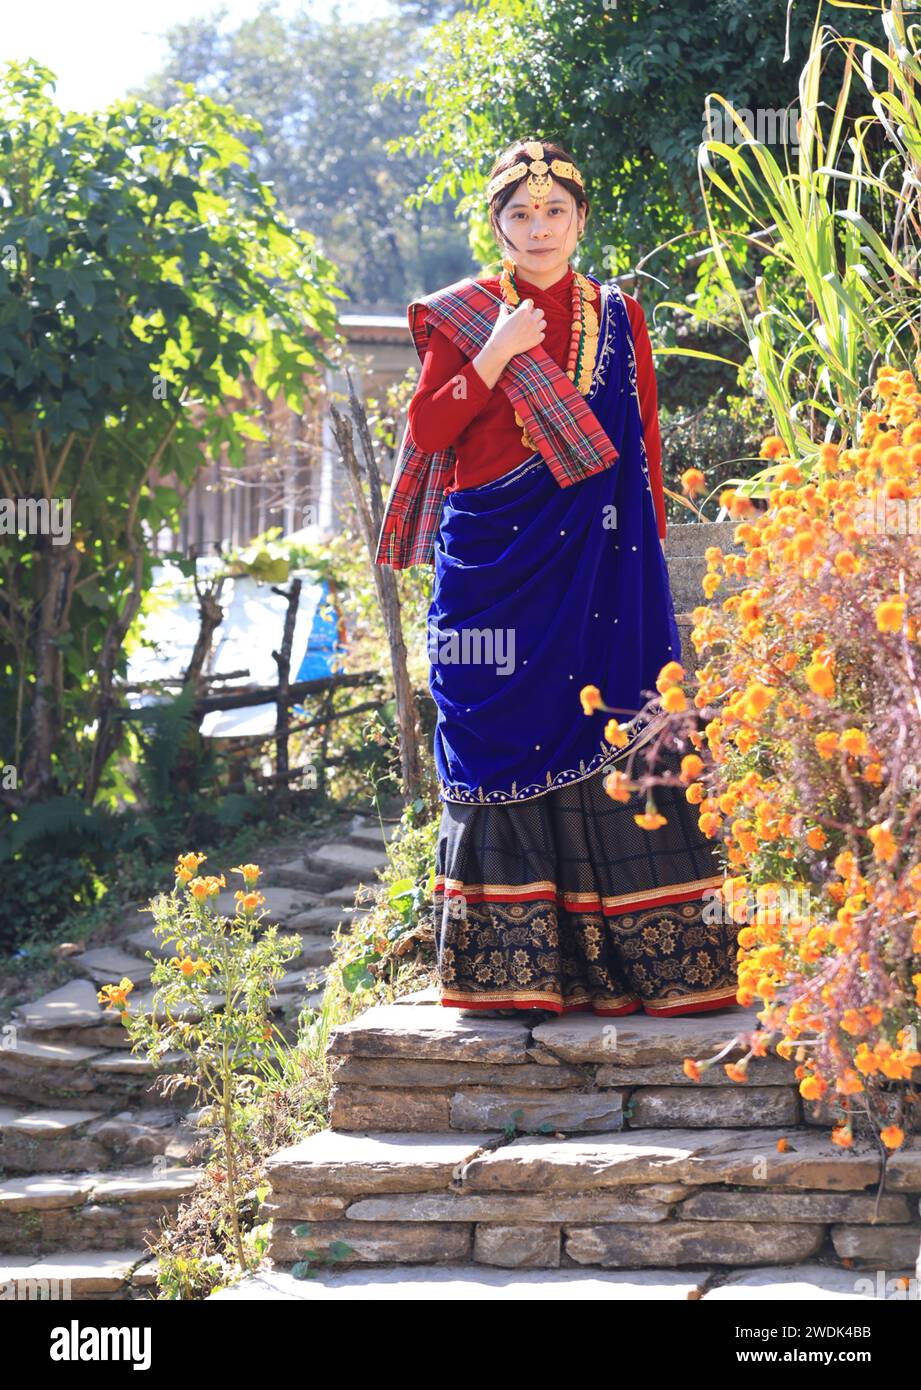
<point>530,475</point>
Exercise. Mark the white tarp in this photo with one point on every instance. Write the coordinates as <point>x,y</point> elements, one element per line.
<point>252,629</point>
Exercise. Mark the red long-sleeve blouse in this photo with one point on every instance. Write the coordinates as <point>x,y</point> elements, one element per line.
<point>453,406</point>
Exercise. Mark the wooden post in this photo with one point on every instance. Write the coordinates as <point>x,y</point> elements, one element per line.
<point>370,519</point>
<point>283,662</point>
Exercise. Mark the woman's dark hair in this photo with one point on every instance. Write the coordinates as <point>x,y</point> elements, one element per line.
<point>511,156</point>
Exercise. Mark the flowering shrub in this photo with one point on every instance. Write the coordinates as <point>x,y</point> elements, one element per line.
<point>210,1012</point>
<point>807,765</point>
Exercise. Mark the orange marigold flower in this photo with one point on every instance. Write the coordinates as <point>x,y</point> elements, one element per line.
<point>735,1071</point>
<point>783,1146</point>
<point>820,680</point>
<point>615,734</point>
<point>691,766</point>
<point>893,1136</point>
<point>618,785</point>
<point>843,1136</point>
<point>815,838</point>
<point>812,1087</point>
<point>854,741</point>
<point>826,743</point>
<point>590,696</point>
<point>250,872</point>
<point>890,614</point>
<point>691,1069</point>
<point>692,481</point>
<point>772,447</point>
<point>674,700</point>
<point>885,848</point>
<point>116,996</point>
<point>671,672</point>
<point>650,820</point>
<point>249,901</point>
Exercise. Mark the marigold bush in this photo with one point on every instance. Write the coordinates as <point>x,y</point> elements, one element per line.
<point>807,766</point>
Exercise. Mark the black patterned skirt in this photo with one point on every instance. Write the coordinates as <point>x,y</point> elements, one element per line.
<point>563,903</point>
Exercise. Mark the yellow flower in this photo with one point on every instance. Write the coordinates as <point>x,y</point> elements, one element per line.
<point>116,996</point>
<point>208,887</point>
<point>650,820</point>
<point>854,741</point>
<point>250,872</point>
<point>249,901</point>
<point>890,614</point>
<point>189,967</point>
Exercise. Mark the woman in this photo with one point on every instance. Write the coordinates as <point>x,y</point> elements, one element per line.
<point>530,475</point>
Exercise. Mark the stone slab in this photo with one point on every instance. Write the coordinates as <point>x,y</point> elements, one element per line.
<point>430,1033</point>
<point>674,1243</point>
<point>74,1005</point>
<point>86,1272</point>
<point>329,1162</point>
<point>640,1040</point>
<point>746,1157</point>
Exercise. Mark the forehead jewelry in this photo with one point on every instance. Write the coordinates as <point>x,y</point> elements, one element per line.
<point>538,173</point>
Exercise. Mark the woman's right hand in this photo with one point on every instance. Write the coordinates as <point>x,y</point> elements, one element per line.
<point>519,329</point>
<point>515,330</point>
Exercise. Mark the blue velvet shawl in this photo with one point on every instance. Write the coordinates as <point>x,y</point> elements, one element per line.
<point>540,590</point>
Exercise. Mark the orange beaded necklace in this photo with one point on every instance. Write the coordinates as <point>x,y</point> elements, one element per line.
<point>583,343</point>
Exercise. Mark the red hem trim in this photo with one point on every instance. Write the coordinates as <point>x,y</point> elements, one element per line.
<point>542,1004</point>
<point>703,1008</point>
<point>559,900</point>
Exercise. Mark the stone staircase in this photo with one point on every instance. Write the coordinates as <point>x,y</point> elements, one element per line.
<point>91,1156</point>
<point>577,1147</point>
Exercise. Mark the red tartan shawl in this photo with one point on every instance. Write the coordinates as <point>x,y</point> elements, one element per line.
<point>557,416</point>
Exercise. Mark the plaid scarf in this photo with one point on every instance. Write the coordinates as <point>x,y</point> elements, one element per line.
<point>557,416</point>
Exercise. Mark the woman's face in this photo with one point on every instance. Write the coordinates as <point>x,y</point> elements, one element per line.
<point>541,238</point>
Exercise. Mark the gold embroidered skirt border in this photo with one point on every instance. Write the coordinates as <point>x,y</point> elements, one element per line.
<point>564,903</point>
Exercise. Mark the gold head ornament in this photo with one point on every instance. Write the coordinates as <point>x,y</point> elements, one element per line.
<point>538,172</point>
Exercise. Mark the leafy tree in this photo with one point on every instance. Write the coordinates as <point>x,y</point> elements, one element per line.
<point>622,84</point>
<point>146,269</point>
<point>323,139</point>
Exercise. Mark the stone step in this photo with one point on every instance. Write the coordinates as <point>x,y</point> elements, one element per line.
<point>96,1210</point>
<point>65,1075</point>
<point>368,832</point>
<point>795,1283</point>
<point>41,1141</point>
<point>631,1200</point>
<point>345,863</point>
<point>427,1068</point>
<point>296,874</point>
<point>110,963</point>
<point>70,1275</point>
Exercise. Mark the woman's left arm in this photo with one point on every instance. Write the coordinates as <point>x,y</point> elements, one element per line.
<point>649,407</point>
